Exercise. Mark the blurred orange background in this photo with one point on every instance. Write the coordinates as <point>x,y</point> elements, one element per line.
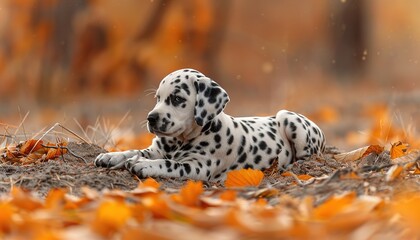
<point>351,66</point>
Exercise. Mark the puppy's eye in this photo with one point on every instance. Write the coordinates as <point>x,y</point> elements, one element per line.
<point>177,100</point>
<point>158,98</point>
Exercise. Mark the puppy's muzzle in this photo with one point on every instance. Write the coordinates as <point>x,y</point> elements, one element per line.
<point>153,119</point>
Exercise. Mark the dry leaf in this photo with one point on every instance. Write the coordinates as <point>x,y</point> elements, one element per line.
<point>304,177</point>
<point>148,186</point>
<point>189,194</point>
<point>352,155</point>
<point>378,149</point>
<point>110,217</point>
<point>150,182</point>
<point>409,157</point>
<point>55,152</point>
<point>29,146</point>
<point>393,172</point>
<point>333,206</point>
<point>265,193</point>
<point>55,198</point>
<point>6,216</point>
<point>398,149</point>
<point>228,195</point>
<point>23,200</point>
<point>244,178</point>
<point>408,207</point>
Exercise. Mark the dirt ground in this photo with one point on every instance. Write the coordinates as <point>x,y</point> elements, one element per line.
<point>330,176</point>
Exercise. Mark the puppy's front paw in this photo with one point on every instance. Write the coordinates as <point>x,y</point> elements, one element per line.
<point>137,166</point>
<point>113,160</point>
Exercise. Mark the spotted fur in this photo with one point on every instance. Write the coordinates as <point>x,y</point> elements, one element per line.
<point>195,139</point>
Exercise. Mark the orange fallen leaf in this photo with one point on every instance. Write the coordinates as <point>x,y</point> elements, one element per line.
<point>56,152</point>
<point>244,178</point>
<point>189,194</point>
<point>157,205</point>
<point>304,177</point>
<point>407,158</point>
<point>378,149</point>
<point>110,217</point>
<point>408,207</point>
<point>150,182</point>
<point>29,146</point>
<point>6,216</point>
<point>55,198</point>
<point>350,175</point>
<point>398,149</point>
<point>393,172</point>
<point>266,193</point>
<point>24,200</point>
<point>334,206</point>
<point>228,195</point>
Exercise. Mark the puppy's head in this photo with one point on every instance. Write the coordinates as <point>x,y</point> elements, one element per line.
<point>185,98</point>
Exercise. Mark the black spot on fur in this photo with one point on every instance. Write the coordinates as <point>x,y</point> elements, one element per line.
<point>187,167</point>
<point>242,158</point>
<point>229,151</point>
<point>244,128</point>
<point>230,140</point>
<point>216,126</point>
<point>315,130</point>
<point>246,166</point>
<point>168,163</point>
<point>262,145</point>
<point>184,87</point>
<point>271,135</point>
<point>293,126</point>
<point>217,138</point>
<point>257,159</point>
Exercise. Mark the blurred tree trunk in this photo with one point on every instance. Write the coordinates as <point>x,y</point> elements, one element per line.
<point>216,34</point>
<point>58,46</point>
<point>202,45</point>
<point>348,25</point>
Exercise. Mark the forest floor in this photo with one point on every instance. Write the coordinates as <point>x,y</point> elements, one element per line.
<point>367,175</point>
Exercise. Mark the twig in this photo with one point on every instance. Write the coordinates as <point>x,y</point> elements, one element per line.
<point>300,182</point>
<point>81,128</point>
<point>6,135</point>
<point>66,148</point>
<point>336,174</point>
<point>74,134</point>
<point>49,130</point>
<point>21,122</point>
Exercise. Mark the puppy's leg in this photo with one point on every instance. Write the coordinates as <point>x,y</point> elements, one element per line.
<point>301,137</point>
<point>116,160</point>
<point>191,167</point>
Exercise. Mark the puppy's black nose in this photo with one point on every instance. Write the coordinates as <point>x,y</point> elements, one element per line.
<point>152,118</point>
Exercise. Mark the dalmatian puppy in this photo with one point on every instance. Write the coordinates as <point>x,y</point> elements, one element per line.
<point>195,139</point>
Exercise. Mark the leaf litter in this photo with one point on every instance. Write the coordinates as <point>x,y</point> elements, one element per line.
<point>368,192</point>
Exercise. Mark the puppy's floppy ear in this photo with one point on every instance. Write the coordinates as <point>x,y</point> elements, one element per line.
<point>211,99</point>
